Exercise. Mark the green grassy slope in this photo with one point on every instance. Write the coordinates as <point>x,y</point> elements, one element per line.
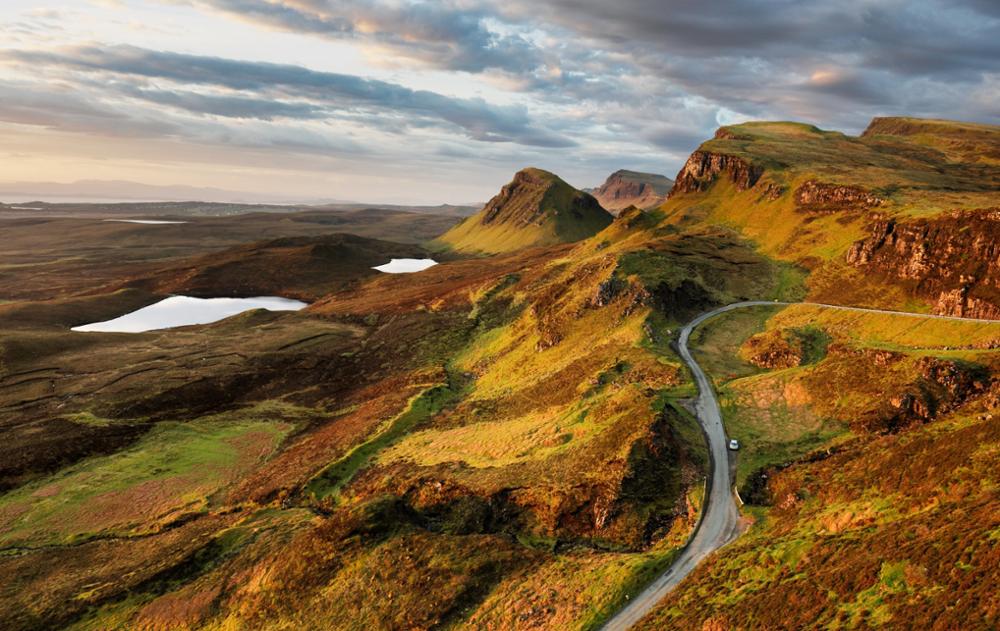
<point>807,196</point>
<point>501,442</point>
<point>869,474</point>
<point>536,208</point>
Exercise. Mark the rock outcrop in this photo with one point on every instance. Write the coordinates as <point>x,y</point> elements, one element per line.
<point>704,167</point>
<point>632,188</point>
<point>535,208</point>
<point>816,196</point>
<point>952,260</point>
<point>942,386</point>
<point>615,509</point>
<point>608,291</point>
<point>772,350</point>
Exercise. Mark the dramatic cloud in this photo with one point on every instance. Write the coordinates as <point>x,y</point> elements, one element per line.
<point>446,34</point>
<point>477,118</point>
<point>765,58</point>
<point>459,93</point>
<point>64,108</point>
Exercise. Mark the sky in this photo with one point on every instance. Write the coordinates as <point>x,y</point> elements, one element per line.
<point>403,101</point>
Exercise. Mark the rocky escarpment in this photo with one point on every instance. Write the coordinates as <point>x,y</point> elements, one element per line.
<point>816,196</point>
<point>703,168</point>
<point>530,195</point>
<point>772,350</point>
<point>628,507</point>
<point>536,208</point>
<point>942,386</point>
<point>631,188</point>
<point>952,260</point>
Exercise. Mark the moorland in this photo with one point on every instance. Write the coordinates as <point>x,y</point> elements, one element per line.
<point>505,440</point>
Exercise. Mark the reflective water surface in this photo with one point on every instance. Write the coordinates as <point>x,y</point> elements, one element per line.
<point>184,311</point>
<point>406,266</point>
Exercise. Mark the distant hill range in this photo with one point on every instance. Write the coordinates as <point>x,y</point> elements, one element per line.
<point>321,263</point>
<point>631,188</point>
<point>135,197</point>
<point>535,208</point>
<point>126,191</point>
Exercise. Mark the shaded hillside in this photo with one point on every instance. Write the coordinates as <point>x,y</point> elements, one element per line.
<point>631,188</point>
<point>536,208</point>
<point>831,202</point>
<point>321,265</point>
<point>53,257</point>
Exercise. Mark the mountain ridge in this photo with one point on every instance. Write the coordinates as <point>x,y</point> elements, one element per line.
<point>535,208</point>
<point>625,188</point>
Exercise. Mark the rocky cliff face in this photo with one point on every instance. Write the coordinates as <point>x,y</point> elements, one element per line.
<point>816,196</point>
<point>535,208</point>
<point>952,260</point>
<point>630,188</point>
<point>942,386</point>
<point>520,200</point>
<point>704,167</point>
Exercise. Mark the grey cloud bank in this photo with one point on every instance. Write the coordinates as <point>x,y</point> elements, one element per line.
<point>581,87</point>
<point>476,117</point>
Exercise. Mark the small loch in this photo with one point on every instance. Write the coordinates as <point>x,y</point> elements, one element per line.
<point>184,311</point>
<point>146,222</point>
<point>406,266</point>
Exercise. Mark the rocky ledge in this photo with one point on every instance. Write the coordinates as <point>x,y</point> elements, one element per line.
<point>816,196</point>
<point>952,261</point>
<point>704,167</point>
<point>772,350</point>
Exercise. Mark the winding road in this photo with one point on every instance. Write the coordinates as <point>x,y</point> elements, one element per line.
<point>719,523</point>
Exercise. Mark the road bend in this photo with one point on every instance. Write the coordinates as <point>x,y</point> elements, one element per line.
<point>719,523</point>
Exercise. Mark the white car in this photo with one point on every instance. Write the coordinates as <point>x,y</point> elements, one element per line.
<point>734,444</point>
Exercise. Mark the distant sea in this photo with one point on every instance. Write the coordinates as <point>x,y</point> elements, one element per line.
<point>56,199</point>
